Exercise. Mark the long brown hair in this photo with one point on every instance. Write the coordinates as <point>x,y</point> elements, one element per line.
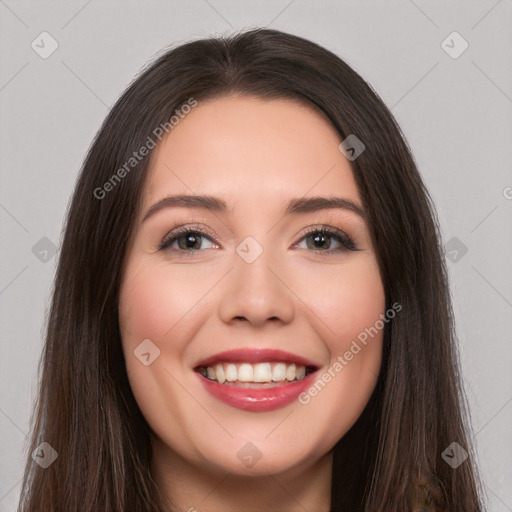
<point>391,459</point>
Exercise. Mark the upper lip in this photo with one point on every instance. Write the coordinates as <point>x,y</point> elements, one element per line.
<point>255,355</point>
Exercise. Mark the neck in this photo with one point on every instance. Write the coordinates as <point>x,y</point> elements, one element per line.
<point>203,488</point>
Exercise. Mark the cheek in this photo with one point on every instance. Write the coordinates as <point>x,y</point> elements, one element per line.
<point>347,301</point>
<point>144,308</point>
<point>346,298</point>
<point>154,301</point>
<point>158,305</point>
<point>161,303</point>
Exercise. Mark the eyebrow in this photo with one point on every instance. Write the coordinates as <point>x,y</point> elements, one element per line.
<point>216,204</point>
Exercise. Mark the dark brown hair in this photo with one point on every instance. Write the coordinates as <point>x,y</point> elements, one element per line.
<point>391,458</point>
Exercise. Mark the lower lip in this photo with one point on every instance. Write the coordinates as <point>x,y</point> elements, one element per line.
<point>249,399</point>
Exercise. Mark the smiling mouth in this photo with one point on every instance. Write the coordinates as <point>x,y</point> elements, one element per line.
<point>256,379</point>
<point>259,375</point>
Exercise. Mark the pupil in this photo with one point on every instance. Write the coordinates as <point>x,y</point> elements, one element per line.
<point>191,241</point>
<point>318,238</point>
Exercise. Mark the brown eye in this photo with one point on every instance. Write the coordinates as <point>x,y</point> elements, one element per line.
<point>188,240</point>
<point>321,240</point>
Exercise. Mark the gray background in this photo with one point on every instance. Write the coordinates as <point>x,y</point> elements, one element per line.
<point>455,112</point>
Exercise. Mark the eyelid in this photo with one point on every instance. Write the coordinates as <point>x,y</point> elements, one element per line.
<point>346,240</point>
<point>185,228</point>
<point>202,230</point>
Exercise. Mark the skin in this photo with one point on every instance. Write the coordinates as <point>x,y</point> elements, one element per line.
<point>256,155</point>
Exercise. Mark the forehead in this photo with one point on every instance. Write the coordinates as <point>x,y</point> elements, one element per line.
<point>252,152</point>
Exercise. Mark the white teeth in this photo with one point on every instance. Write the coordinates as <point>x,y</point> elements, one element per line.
<point>221,375</point>
<point>231,373</point>
<point>290,372</point>
<point>279,372</point>
<point>260,372</point>
<point>245,373</point>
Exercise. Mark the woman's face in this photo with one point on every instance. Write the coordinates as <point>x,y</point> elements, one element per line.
<point>219,325</point>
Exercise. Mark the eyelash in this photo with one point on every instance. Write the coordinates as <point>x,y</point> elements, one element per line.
<point>340,236</point>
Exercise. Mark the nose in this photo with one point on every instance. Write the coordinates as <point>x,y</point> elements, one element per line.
<point>256,293</point>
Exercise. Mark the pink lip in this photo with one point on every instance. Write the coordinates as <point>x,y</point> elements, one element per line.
<point>257,399</point>
<point>254,399</point>
<point>257,355</point>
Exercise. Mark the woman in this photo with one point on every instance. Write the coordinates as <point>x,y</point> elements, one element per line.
<point>251,308</point>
